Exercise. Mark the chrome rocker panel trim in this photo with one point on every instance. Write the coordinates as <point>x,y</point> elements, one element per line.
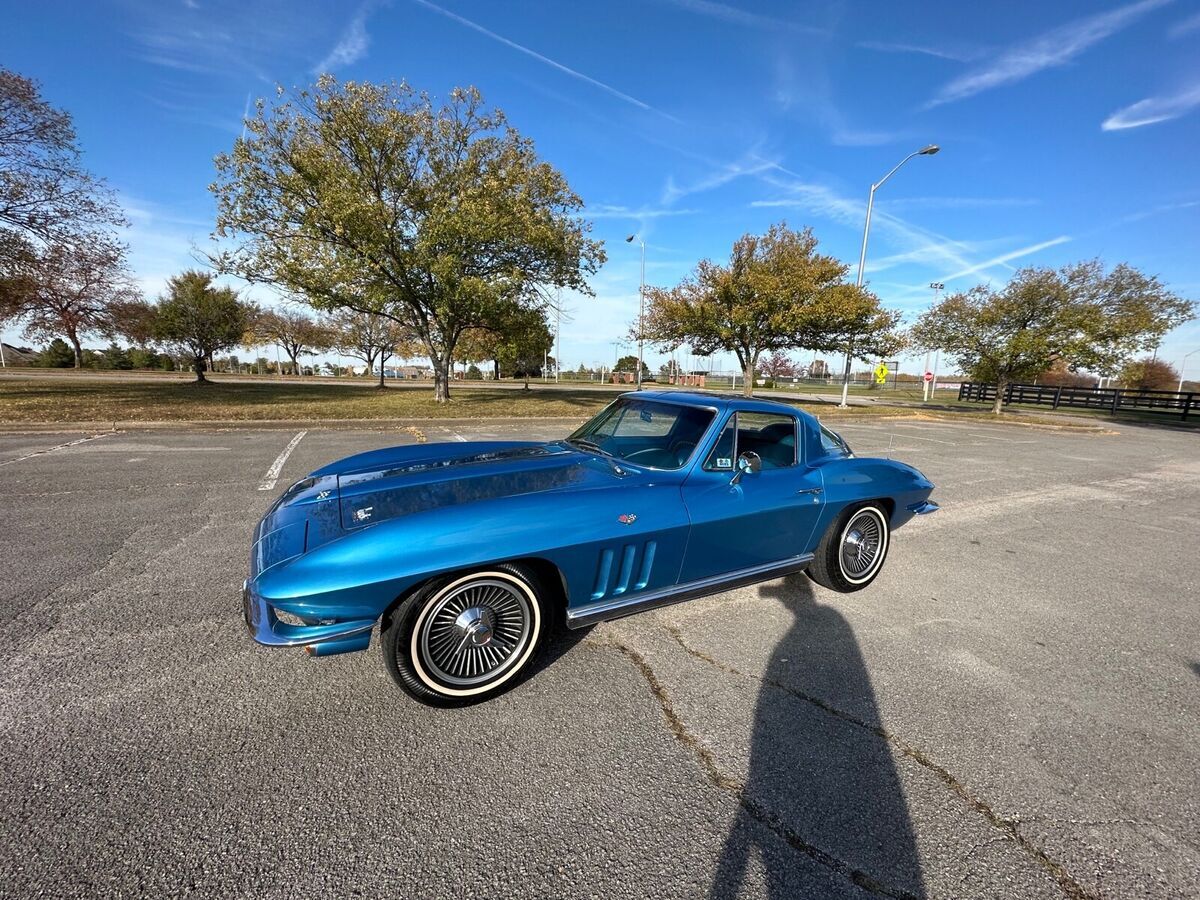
<point>677,593</point>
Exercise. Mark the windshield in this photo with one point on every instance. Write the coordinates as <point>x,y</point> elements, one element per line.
<point>645,432</point>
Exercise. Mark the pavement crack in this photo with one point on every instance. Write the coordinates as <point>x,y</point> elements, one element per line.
<point>1009,827</point>
<point>737,788</point>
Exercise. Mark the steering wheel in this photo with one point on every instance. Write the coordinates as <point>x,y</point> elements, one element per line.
<point>662,457</point>
<point>682,450</point>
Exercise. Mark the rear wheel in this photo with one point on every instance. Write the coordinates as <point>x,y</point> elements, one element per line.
<point>852,551</point>
<point>467,637</point>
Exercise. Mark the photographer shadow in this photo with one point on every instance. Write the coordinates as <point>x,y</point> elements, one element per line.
<point>822,782</point>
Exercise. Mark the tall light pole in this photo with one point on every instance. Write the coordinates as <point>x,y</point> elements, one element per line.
<point>641,306</point>
<point>862,256</point>
<point>1182,367</point>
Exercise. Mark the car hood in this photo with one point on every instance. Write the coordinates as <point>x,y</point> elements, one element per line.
<point>385,484</point>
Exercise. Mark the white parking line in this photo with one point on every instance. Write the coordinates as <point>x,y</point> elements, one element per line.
<point>454,434</point>
<point>94,437</point>
<point>272,475</point>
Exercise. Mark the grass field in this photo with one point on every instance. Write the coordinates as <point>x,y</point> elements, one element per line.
<point>105,400</point>
<point>89,399</point>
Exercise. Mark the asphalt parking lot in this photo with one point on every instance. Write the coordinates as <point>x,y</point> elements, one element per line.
<point>1011,710</point>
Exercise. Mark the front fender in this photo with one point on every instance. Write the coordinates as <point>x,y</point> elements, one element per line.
<point>850,480</point>
<point>362,573</point>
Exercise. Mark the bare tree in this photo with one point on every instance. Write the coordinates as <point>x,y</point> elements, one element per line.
<point>44,193</point>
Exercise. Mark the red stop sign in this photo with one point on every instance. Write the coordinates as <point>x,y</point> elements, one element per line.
<point>929,376</point>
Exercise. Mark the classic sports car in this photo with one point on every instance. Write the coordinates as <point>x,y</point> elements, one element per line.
<point>469,553</point>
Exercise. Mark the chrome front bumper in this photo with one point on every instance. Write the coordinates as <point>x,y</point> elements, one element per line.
<point>924,507</point>
<point>333,637</point>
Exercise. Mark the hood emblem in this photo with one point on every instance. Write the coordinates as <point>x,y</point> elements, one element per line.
<point>627,518</point>
<point>361,515</point>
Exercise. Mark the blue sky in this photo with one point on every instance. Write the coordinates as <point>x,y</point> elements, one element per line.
<point>1069,130</point>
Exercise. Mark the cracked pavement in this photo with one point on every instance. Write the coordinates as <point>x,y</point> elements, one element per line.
<point>1009,711</point>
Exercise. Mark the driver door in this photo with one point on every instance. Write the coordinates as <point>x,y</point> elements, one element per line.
<point>766,516</point>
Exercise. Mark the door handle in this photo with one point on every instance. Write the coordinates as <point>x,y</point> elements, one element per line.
<point>811,491</point>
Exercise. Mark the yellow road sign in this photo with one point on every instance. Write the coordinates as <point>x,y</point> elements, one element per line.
<point>881,374</point>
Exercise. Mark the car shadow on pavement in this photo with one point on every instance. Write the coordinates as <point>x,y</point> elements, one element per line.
<point>822,782</point>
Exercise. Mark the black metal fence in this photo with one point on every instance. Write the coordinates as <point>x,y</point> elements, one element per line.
<point>1111,400</point>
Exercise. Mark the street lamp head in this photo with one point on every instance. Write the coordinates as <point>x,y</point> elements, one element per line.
<point>929,151</point>
<point>629,240</point>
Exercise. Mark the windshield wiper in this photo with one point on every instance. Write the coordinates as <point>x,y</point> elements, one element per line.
<point>596,448</point>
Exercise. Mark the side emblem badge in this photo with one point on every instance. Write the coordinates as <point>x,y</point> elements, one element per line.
<point>627,518</point>
<point>361,515</point>
<point>322,495</point>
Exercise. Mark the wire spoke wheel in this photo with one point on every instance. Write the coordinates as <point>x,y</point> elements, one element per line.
<point>475,631</point>
<point>863,544</point>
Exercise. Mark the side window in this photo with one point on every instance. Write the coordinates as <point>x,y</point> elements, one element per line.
<point>771,435</point>
<point>721,458</point>
<point>832,444</point>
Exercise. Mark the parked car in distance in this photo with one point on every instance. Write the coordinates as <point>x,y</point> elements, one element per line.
<point>467,554</point>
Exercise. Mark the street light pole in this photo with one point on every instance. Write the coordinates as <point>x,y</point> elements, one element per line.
<point>1182,367</point>
<point>641,307</point>
<point>862,255</point>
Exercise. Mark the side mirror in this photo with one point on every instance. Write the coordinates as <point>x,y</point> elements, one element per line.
<point>748,463</point>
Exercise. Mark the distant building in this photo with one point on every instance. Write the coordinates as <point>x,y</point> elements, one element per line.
<point>19,356</point>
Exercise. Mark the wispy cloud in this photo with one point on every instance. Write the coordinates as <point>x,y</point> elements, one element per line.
<point>824,201</point>
<point>958,202</point>
<point>533,54</point>
<point>802,84</point>
<point>1153,110</point>
<point>737,16</point>
<point>640,214</point>
<point>1056,47</point>
<point>1184,27</point>
<point>1157,211</point>
<point>955,54</point>
<point>751,164</point>
<point>1006,257</point>
<point>352,45</point>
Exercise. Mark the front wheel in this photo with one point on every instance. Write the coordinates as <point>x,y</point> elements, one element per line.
<point>852,551</point>
<point>465,638</point>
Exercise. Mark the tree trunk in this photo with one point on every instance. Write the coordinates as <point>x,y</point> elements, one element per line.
<point>382,362</point>
<point>199,366</point>
<point>998,406</point>
<point>496,369</point>
<point>748,373</point>
<point>441,378</point>
<point>295,365</point>
<point>78,351</point>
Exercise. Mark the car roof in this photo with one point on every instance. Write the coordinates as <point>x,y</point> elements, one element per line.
<point>716,401</point>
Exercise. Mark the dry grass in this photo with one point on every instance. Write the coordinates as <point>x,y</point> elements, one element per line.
<point>91,399</point>
<point>105,400</point>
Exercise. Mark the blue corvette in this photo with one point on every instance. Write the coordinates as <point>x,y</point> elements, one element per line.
<point>467,554</point>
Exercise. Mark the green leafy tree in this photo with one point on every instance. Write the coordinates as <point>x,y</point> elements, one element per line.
<point>776,293</point>
<point>629,363</point>
<point>370,197</point>
<point>473,373</point>
<point>1078,316</point>
<point>115,357</point>
<point>517,342</point>
<point>199,319</point>
<point>57,355</point>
